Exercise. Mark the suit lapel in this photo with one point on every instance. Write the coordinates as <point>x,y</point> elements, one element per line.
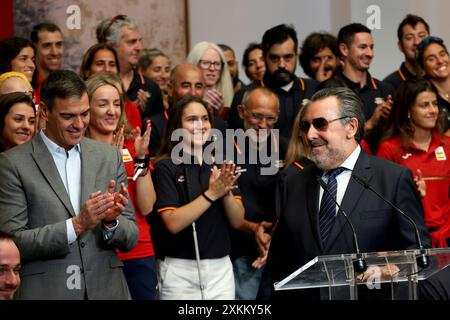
<point>351,196</point>
<point>88,176</point>
<point>312,200</point>
<point>46,164</point>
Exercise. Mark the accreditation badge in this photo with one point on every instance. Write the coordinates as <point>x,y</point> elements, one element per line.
<point>440,154</point>
<point>126,156</point>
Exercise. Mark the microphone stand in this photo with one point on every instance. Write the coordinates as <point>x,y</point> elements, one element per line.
<point>359,264</point>
<point>422,259</point>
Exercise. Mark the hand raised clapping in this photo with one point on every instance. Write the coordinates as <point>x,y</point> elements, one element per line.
<point>222,180</point>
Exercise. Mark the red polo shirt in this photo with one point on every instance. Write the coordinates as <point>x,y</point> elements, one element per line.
<point>435,167</point>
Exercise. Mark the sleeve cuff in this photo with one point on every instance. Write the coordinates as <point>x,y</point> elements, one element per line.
<point>71,235</point>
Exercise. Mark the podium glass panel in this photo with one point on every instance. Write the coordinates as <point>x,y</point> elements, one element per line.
<point>394,271</point>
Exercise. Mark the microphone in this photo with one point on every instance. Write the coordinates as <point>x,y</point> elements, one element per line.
<point>359,264</point>
<point>422,260</point>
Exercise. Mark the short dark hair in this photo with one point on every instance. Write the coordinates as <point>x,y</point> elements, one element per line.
<point>347,33</point>
<point>411,20</point>
<point>6,236</point>
<point>277,35</point>
<point>350,106</point>
<point>225,47</point>
<point>313,43</point>
<point>44,26</point>
<point>61,84</point>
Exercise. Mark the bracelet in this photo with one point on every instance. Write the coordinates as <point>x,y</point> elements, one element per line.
<point>207,198</point>
<point>142,162</point>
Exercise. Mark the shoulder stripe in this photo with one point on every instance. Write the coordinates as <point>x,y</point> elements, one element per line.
<point>166,209</point>
<point>299,165</point>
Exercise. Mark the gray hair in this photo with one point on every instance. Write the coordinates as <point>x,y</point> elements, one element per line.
<point>224,84</point>
<point>109,29</point>
<point>350,106</point>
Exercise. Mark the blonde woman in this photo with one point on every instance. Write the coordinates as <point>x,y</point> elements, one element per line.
<point>108,124</point>
<point>219,86</point>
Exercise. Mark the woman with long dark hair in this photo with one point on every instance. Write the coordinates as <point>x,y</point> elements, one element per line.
<point>415,140</point>
<point>197,203</point>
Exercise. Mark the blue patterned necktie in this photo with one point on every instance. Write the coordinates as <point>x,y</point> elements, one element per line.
<point>328,205</point>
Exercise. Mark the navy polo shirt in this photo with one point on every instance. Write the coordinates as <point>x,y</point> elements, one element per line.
<point>370,95</point>
<point>171,183</point>
<point>154,102</point>
<point>258,194</point>
<point>396,78</point>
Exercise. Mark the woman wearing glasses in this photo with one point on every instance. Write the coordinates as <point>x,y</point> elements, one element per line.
<point>197,203</point>
<point>17,119</point>
<point>415,140</point>
<point>219,86</point>
<point>433,57</point>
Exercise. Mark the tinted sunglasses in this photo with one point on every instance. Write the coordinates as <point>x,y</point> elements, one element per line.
<point>320,124</point>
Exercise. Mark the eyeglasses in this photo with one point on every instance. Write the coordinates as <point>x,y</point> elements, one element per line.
<point>320,124</point>
<point>260,117</point>
<point>206,64</point>
<point>424,43</point>
<point>105,32</point>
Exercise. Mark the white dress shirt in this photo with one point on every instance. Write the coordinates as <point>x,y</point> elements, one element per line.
<point>68,164</point>
<point>344,178</point>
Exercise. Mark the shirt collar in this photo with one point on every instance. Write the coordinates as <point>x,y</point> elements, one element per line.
<point>288,86</point>
<point>53,147</point>
<point>351,84</point>
<point>350,162</point>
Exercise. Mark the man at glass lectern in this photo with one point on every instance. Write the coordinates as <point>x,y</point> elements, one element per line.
<point>309,225</point>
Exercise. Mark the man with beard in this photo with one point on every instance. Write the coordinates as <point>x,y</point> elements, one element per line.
<point>410,32</point>
<point>356,49</point>
<point>280,54</point>
<point>309,226</point>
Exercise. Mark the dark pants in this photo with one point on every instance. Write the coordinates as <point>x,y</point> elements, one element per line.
<point>141,277</point>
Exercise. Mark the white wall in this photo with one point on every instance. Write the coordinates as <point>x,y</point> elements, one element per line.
<point>238,22</point>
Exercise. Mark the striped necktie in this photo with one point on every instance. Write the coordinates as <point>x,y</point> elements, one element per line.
<point>327,212</point>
